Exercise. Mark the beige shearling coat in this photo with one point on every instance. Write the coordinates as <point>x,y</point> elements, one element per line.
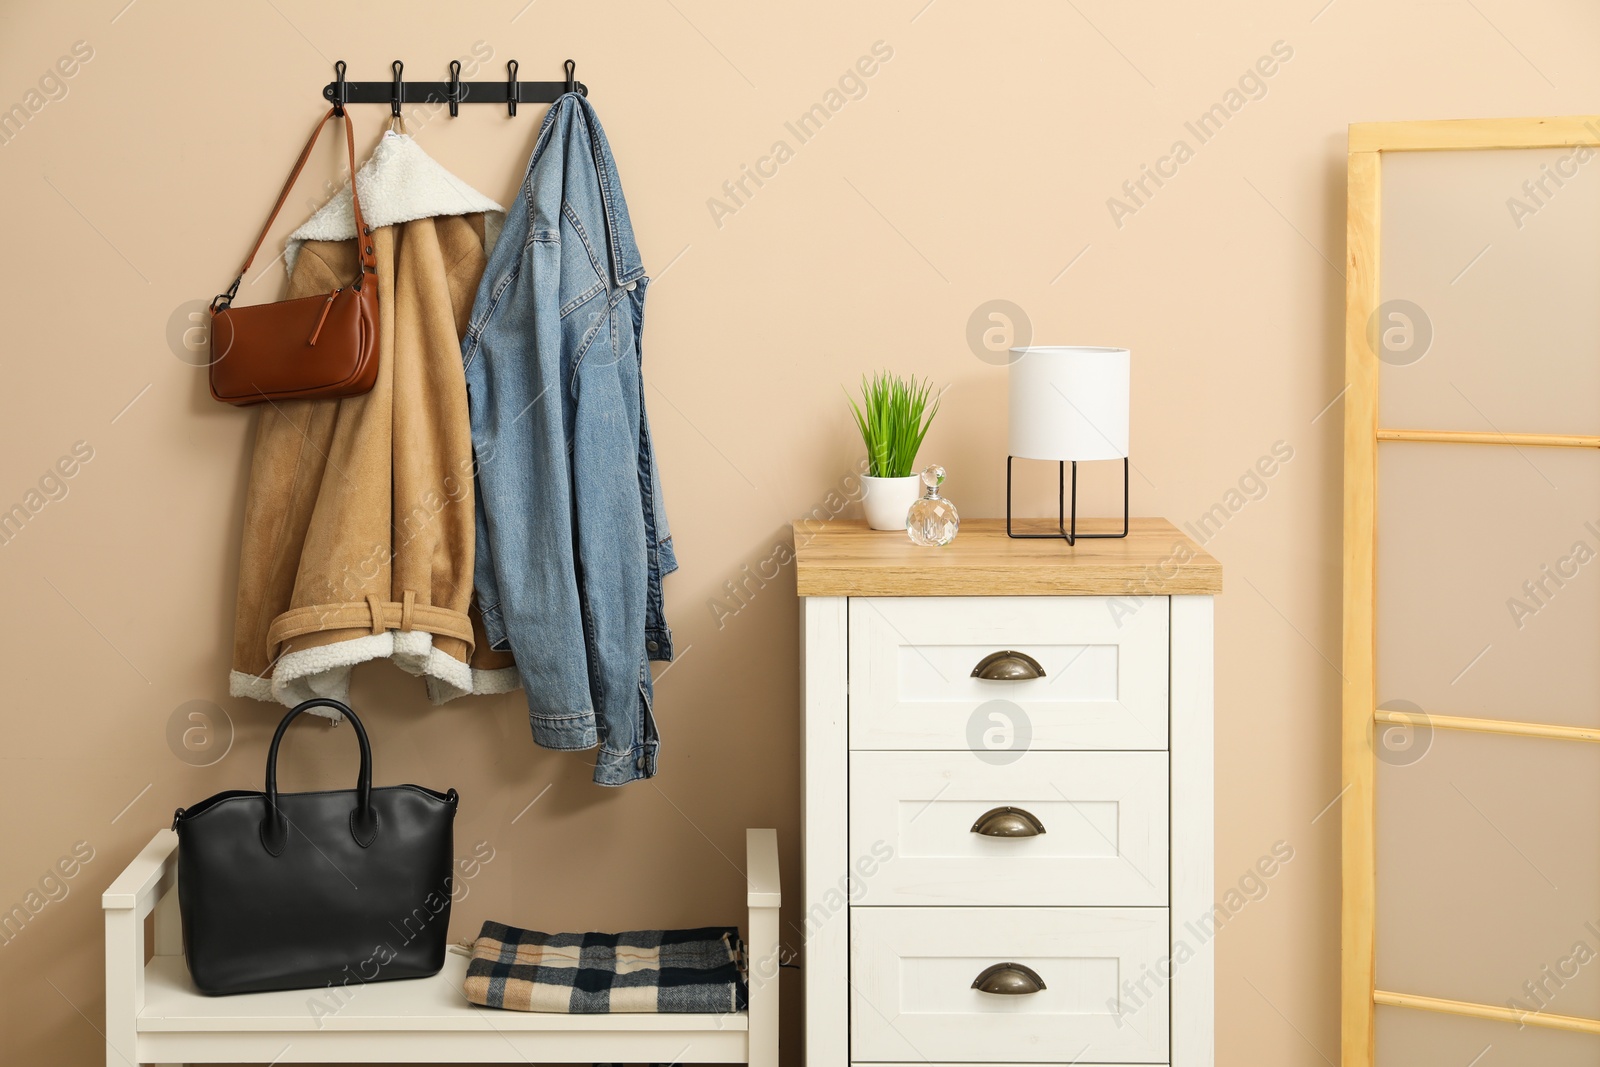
<point>358,529</point>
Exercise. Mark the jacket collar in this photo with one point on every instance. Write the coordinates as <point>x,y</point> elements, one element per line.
<point>400,183</point>
<point>570,110</point>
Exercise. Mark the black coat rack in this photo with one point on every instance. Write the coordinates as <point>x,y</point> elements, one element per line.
<point>454,92</point>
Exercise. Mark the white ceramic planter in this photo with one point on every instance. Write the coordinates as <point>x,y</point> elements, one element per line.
<point>888,499</point>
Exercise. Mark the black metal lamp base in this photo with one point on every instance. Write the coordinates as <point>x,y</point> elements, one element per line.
<point>1068,527</point>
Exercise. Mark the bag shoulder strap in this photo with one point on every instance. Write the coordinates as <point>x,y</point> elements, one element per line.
<point>364,248</point>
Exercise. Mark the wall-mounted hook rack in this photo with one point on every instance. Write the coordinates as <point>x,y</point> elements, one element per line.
<point>455,92</point>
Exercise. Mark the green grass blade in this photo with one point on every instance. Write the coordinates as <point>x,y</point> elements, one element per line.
<point>893,418</point>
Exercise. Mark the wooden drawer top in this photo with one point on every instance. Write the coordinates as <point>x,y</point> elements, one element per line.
<point>844,558</point>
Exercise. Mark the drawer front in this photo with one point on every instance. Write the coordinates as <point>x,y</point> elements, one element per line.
<point>1104,683</point>
<point>1103,817</point>
<point>1103,1001</point>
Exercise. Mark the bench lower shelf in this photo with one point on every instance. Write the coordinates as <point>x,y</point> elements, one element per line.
<point>155,1015</point>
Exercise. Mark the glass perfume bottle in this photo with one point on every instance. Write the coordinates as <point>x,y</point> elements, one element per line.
<point>932,520</point>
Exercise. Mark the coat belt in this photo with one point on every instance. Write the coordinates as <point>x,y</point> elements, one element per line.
<point>372,614</point>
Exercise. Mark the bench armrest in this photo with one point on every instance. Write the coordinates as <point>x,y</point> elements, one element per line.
<point>138,886</point>
<point>766,951</point>
<point>761,861</point>
<point>147,884</point>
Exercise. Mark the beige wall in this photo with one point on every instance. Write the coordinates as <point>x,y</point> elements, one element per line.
<point>977,166</point>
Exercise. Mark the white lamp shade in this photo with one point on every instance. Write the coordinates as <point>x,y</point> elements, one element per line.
<point>1069,403</point>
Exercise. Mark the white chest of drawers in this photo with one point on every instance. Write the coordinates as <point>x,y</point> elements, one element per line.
<point>1008,798</point>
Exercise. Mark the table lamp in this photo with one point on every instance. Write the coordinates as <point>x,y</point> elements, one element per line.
<point>1068,403</point>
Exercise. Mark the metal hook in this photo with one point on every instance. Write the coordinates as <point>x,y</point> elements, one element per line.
<point>399,90</point>
<point>340,94</point>
<point>513,91</point>
<point>572,70</point>
<point>455,87</point>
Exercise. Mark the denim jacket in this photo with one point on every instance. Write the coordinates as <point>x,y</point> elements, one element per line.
<point>572,538</point>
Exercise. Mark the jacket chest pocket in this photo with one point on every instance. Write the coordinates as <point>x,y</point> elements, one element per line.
<point>600,335</point>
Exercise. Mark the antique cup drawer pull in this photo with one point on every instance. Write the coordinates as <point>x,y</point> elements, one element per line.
<point>1008,822</point>
<point>1008,666</point>
<point>1008,979</point>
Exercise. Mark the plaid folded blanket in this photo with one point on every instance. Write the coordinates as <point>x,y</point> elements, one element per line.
<point>642,970</point>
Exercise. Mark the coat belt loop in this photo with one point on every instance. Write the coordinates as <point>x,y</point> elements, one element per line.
<point>407,603</point>
<point>376,607</point>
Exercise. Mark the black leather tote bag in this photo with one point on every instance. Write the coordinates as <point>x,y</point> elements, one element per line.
<point>302,890</point>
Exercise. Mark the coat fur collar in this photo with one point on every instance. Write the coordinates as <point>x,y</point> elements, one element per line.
<point>400,183</point>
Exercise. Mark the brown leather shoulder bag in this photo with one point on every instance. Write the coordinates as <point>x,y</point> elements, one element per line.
<point>316,346</point>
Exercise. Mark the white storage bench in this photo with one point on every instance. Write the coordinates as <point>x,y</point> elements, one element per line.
<point>154,1015</point>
